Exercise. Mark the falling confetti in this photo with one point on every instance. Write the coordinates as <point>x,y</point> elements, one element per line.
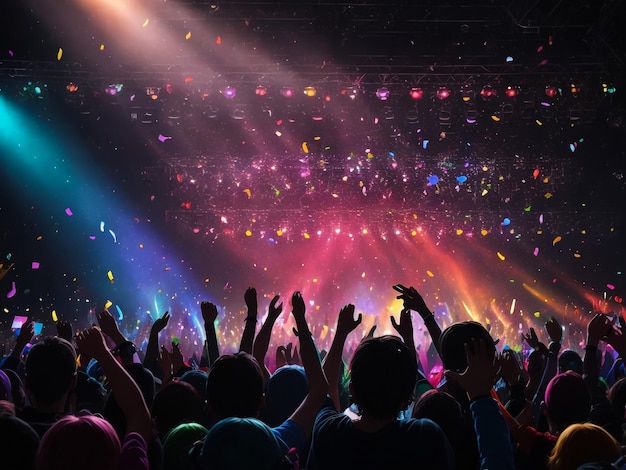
<point>610,286</point>
<point>305,147</point>
<point>430,274</point>
<point>13,290</point>
<point>107,304</point>
<point>54,316</point>
<point>69,212</point>
<point>34,265</point>
<point>120,315</point>
<point>110,276</point>
<point>145,23</point>
<point>536,252</point>
<point>556,240</point>
<point>59,54</point>
<point>501,256</point>
<point>163,138</point>
<point>188,36</point>
<point>113,235</point>
<point>218,41</point>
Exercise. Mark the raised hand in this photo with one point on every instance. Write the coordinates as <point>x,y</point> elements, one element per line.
<point>531,338</point>
<point>27,331</point>
<point>412,300</point>
<point>109,326</point>
<point>90,342</point>
<point>274,311</point>
<point>481,371</point>
<point>160,323</point>
<point>209,312</point>
<point>370,333</point>
<point>298,308</point>
<point>554,330</point>
<point>346,323</point>
<point>165,362</point>
<point>598,327</point>
<point>250,298</point>
<point>405,327</point>
<point>65,330</point>
<point>509,367</point>
<point>177,357</point>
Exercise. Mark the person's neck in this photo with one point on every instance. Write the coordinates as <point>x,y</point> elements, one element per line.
<point>368,424</point>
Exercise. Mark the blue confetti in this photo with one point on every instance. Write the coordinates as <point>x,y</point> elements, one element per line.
<point>461,179</point>
<point>425,143</point>
<point>506,221</point>
<point>433,180</point>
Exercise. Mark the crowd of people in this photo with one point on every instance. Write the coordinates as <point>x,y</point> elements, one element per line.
<point>93,399</point>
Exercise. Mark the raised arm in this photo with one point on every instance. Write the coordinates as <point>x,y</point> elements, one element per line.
<point>209,315</point>
<point>262,340</point>
<point>307,411</point>
<point>597,328</point>
<point>346,323</point>
<point>414,301</point>
<point>405,329</point>
<point>151,359</point>
<point>125,390</point>
<point>247,338</point>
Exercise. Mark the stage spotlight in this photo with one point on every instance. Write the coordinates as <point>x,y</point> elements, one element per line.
<point>229,92</point>
<point>351,92</point>
<point>113,89</point>
<point>608,88</point>
<point>382,94</point>
<point>260,91</point>
<point>416,93</point>
<point>287,92</point>
<point>443,93</point>
<point>574,89</point>
<point>488,92</point>
<point>511,91</point>
<point>72,87</point>
<point>551,91</point>
<point>310,91</point>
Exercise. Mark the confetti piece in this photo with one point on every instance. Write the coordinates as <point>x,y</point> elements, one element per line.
<point>459,231</point>
<point>113,235</point>
<point>433,180</point>
<point>536,252</point>
<point>101,47</point>
<point>536,173</point>
<point>572,147</point>
<point>539,123</point>
<point>69,212</point>
<point>618,299</point>
<point>305,147</point>
<point>537,314</point>
<point>430,274</point>
<point>461,179</point>
<point>145,23</point>
<point>188,36</point>
<point>110,276</point>
<point>556,240</point>
<point>163,138</point>
<point>484,232</point>
<point>34,265</point>
<point>425,143</point>
<point>509,58</point>
<point>501,256</point>
<point>38,328</point>
<point>610,286</point>
<point>512,306</point>
<point>13,290</point>
<point>59,54</point>
<point>484,193</point>
<point>248,192</point>
<point>577,255</point>
<point>54,316</point>
<point>218,41</point>
<point>541,219</point>
<point>120,315</point>
<point>107,304</point>
<point>506,221</point>
<point>495,118</point>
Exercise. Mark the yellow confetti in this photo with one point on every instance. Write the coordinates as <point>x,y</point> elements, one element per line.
<point>317,137</point>
<point>370,155</point>
<point>324,332</point>
<point>101,47</point>
<point>556,240</point>
<point>537,314</point>
<point>547,195</point>
<point>59,54</point>
<point>188,35</point>
<point>110,275</point>
<point>495,118</point>
<point>430,274</point>
<point>279,233</point>
<point>248,233</point>
<point>305,147</point>
<point>484,193</point>
<point>54,316</point>
<point>484,232</point>
<point>306,235</point>
<point>539,123</point>
<point>248,192</point>
<point>145,23</point>
<point>501,256</point>
<point>459,231</point>
<point>577,255</point>
<point>108,304</point>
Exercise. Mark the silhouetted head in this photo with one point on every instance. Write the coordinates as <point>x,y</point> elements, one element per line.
<point>235,386</point>
<point>176,403</point>
<point>383,372</point>
<point>453,339</point>
<point>50,370</point>
<point>567,400</point>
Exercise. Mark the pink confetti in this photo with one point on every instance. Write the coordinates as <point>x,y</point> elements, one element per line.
<point>13,290</point>
<point>35,265</point>
<point>163,138</point>
<point>11,53</point>
<point>543,62</point>
<point>92,237</point>
<point>69,212</point>
<point>541,219</point>
<point>610,286</point>
<point>536,252</point>
<point>540,48</point>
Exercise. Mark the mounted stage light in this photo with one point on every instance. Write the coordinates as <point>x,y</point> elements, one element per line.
<point>287,92</point>
<point>113,89</point>
<point>551,91</point>
<point>351,92</point>
<point>382,93</point>
<point>511,91</point>
<point>443,93</point>
<point>574,89</point>
<point>488,92</point>
<point>260,90</point>
<point>416,93</point>
<point>71,87</point>
<point>229,92</point>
